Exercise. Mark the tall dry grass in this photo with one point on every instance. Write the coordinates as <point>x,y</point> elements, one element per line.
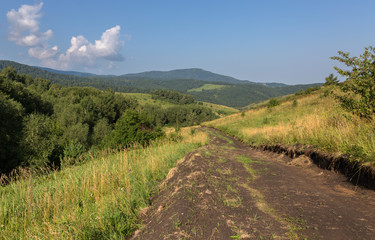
<point>97,200</point>
<point>315,120</point>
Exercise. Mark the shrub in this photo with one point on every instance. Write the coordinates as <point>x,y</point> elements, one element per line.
<point>273,102</point>
<point>295,103</point>
<point>358,90</point>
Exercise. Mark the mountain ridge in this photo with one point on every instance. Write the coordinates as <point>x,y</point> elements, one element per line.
<point>228,91</point>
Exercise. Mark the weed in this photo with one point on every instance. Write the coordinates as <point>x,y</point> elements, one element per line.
<point>238,234</point>
<point>256,217</point>
<point>176,222</point>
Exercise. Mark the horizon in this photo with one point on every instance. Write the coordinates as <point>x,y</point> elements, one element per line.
<point>119,75</point>
<point>289,42</point>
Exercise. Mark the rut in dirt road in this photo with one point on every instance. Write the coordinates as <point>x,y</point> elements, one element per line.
<point>226,190</point>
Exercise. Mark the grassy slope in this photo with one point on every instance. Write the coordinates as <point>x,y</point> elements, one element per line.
<point>207,87</point>
<point>97,200</point>
<point>315,120</point>
<point>146,99</point>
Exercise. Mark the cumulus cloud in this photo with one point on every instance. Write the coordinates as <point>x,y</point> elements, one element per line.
<point>83,52</point>
<point>43,53</point>
<point>24,26</point>
<point>24,31</point>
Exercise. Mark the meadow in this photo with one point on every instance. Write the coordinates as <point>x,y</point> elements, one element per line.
<point>314,119</point>
<point>145,99</point>
<point>97,199</point>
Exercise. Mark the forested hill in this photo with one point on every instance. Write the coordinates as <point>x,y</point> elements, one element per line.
<point>203,85</point>
<point>192,73</point>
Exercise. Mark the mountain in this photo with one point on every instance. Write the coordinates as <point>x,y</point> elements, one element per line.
<point>192,73</point>
<point>73,73</point>
<point>203,85</point>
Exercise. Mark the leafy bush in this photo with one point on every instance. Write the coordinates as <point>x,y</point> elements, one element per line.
<point>295,103</point>
<point>273,102</point>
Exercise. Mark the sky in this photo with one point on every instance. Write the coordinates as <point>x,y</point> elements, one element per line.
<point>287,41</point>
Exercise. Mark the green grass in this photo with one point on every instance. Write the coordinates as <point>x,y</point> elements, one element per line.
<point>206,87</point>
<point>146,99</point>
<point>313,119</point>
<point>247,164</point>
<point>97,200</point>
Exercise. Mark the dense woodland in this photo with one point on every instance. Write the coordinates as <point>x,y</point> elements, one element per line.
<point>44,124</point>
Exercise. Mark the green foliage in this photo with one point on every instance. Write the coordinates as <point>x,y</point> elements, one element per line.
<point>307,91</point>
<point>10,133</point>
<point>331,80</point>
<point>132,128</point>
<point>12,85</point>
<point>72,151</point>
<point>100,131</point>
<point>295,103</point>
<point>172,96</point>
<point>39,142</point>
<point>273,102</point>
<point>358,90</point>
<point>41,123</point>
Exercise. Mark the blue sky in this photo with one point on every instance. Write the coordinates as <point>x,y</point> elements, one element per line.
<point>263,41</point>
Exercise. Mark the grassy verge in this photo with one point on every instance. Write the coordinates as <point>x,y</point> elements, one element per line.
<point>312,120</point>
<point>97,200</point>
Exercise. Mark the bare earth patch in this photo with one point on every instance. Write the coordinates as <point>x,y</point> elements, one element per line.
<point>226,190</point>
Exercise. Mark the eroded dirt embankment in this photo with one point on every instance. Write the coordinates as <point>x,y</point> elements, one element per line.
<point>227,190</point>
<point>358,173</point>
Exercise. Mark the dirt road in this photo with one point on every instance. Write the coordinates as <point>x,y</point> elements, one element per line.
<point>226,190</point>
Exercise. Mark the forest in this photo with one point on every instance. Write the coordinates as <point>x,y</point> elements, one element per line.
<point>49,125</point>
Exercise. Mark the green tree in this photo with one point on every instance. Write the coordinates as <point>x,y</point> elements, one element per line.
<point>10,133</point>
<point>331,80</point>
<point>101,130</point>
<point>358,90</point>
<point>39,141</point>
<point>131,128</point>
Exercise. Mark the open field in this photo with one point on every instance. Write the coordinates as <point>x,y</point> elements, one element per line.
<point>146,99</point>
<point>96,200</point>
<point>207,86</point>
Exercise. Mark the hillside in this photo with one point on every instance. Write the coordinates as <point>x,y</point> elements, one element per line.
<point>223,90</point>
<point>146,99</point>
<point>193,73</point>
<point>311,124</point>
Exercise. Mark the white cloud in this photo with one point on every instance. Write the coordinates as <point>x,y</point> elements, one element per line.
<point>85,53</point>
<point>43,53</point>
<point>24,31</point>
<point>24,26</point>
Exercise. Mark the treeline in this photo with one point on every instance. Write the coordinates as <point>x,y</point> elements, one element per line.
<point>44,124</point>
<point>172,96</point>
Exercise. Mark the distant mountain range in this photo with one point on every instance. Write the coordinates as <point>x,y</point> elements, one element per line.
<point>203,85</point>
<point>73,73</point>
<point>192,73</point>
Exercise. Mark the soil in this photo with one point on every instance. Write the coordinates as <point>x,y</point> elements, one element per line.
<point>227,190</point>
